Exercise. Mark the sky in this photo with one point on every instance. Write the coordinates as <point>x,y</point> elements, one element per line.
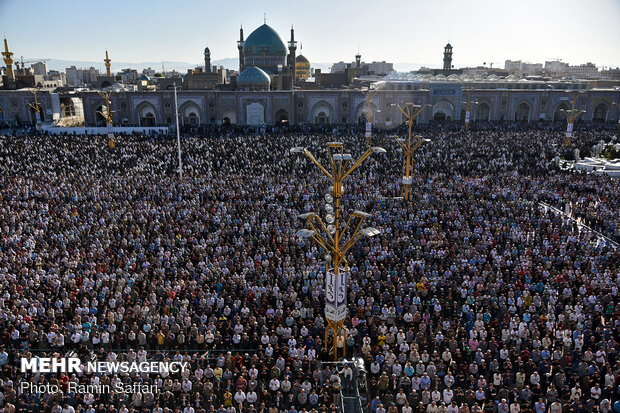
<point>405,31</point>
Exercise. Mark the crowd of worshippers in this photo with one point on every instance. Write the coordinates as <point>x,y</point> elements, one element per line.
<point>472,298</point>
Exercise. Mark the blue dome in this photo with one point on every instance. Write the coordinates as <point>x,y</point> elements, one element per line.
<point>264,41</point>
<point>253,76</point>
<point>144,77</point>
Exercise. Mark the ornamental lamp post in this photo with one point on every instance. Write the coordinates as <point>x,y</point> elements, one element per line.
<point>368,114</point>
<point>108,117</point>
<point>37,109</point>
<point>468,109</point>
<point>329,235</point>
<point>410,111</point>
<point>571,115</point>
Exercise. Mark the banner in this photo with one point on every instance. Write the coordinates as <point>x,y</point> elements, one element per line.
<point>110,133</point>
<point>368,129</point>
<point>569,129</point>
<point>467,117</point>
<point>336,295</point>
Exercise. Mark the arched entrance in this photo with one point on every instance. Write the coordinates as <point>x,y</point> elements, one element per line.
<point>600,113</point>
<point>255,114</point>
<point>558,114</point>
<point>229,117</point>
<point>146,114</point>
<point>190,114</point>
<point>281,117</point>
<point>362,110</point>
<point>483,112</point>
<point>522,112</point>
<point>191,119</point>
<point>443,110</point>
<point>148,120</point>
<point>322,113</point>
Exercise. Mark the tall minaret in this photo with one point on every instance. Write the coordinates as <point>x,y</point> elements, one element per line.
<point>107,61</point>
<point>8,61</point>
<point>292,47</point>
<point>447,57</point>
<point>358,62</point>
<point>240,45</point>
<point>207,60</point>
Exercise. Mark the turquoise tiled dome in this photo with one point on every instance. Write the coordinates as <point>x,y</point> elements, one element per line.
<point>253,76</point>
<point>264,41</point>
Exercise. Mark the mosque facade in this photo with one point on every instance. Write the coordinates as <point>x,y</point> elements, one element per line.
<point>266,61</point>
<point>340,106</point>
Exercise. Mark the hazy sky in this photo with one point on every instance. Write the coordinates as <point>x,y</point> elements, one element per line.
<point>577,31</point>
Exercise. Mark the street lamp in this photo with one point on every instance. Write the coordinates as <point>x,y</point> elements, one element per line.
<point>108,116</point>
<point>571,115</point>
<point>410,111</point>
<point>330,236</point>
<point>37,109</point>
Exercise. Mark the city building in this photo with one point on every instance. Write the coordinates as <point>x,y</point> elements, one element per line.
<point>55,75</point>
<point>39,68</point>
<point>610,73</point>
<point>81,77</point>
<point>522,69</point>
<point>585,71</point>
<point>556,66</point>
<point>373,68</point>
<point>128,75</point>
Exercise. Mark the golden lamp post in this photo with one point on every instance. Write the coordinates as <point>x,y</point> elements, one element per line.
<point>330,236</point>
<point>108,117</point>
<point>408,146</point>
<point>37,109</point>
<point>571,115</point>
<point>468,109</point>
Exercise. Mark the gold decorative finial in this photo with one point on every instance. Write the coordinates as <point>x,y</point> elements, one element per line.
<point>107,61</point>
<point>8,60</point>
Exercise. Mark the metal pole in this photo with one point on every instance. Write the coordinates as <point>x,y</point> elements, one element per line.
<point>176,109</point>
